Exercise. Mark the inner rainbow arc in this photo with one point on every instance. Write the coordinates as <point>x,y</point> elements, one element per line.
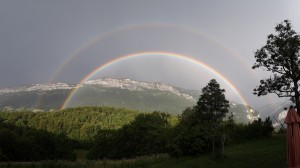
<point>143,54</point>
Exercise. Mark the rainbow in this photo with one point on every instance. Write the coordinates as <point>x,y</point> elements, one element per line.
<point>127,28</point>
<point>143,54</point>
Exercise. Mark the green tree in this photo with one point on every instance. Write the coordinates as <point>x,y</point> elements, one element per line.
<point>211,109</point>
<point>212,105</point>
<point>202,126</point>
<point>281,57</point>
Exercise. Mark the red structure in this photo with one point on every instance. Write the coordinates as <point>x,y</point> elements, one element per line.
<point>293,138</point>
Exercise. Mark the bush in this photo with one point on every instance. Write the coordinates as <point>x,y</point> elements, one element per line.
<point>25,144</point>
<point>255,130</point>
<point>188,141</point>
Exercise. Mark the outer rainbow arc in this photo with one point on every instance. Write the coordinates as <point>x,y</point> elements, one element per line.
<point>168,54</point>
<point>137,26</point>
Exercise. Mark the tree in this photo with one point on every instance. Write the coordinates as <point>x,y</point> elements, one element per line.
<point>281,56</point>
<point>212,105</point>
<point>211,108</point>
<point>146,135</point>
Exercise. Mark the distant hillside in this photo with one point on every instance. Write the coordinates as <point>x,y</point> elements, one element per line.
<point>124,93</point>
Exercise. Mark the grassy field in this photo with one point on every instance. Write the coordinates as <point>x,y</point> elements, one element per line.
<point>265,153</point>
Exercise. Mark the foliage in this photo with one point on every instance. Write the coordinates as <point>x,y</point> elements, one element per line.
<point>81,123</point>
<point>211,109</point>
<point>144,136</point>
<point>120,133</point>
<point>25,144</point>
<point>265,153</point>
<point>188,141</point>
<point>212,105</point>
<point>201,127</point>
<point>281,56</point>
<point>255,130</point>
<point>259,128</point>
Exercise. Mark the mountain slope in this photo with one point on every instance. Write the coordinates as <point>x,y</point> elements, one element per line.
<point>276,111</point>
<point>143,96</point>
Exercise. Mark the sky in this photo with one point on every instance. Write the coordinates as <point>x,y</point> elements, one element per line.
<point>43,41</point>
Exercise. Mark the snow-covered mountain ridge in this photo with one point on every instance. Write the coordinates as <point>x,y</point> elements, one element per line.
<point>129,84</point>
<point>34,87</point>
<point>136,86</point>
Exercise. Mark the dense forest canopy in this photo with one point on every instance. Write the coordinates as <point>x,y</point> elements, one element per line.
<point>111,132</point>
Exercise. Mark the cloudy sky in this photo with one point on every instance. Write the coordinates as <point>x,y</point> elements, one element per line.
<point>45,41</point>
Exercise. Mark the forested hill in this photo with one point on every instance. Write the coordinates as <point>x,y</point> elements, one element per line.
<point>81,123</point>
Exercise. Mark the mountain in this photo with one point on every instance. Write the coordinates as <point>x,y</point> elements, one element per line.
<point>127,93</point>
<point>277,112</point>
